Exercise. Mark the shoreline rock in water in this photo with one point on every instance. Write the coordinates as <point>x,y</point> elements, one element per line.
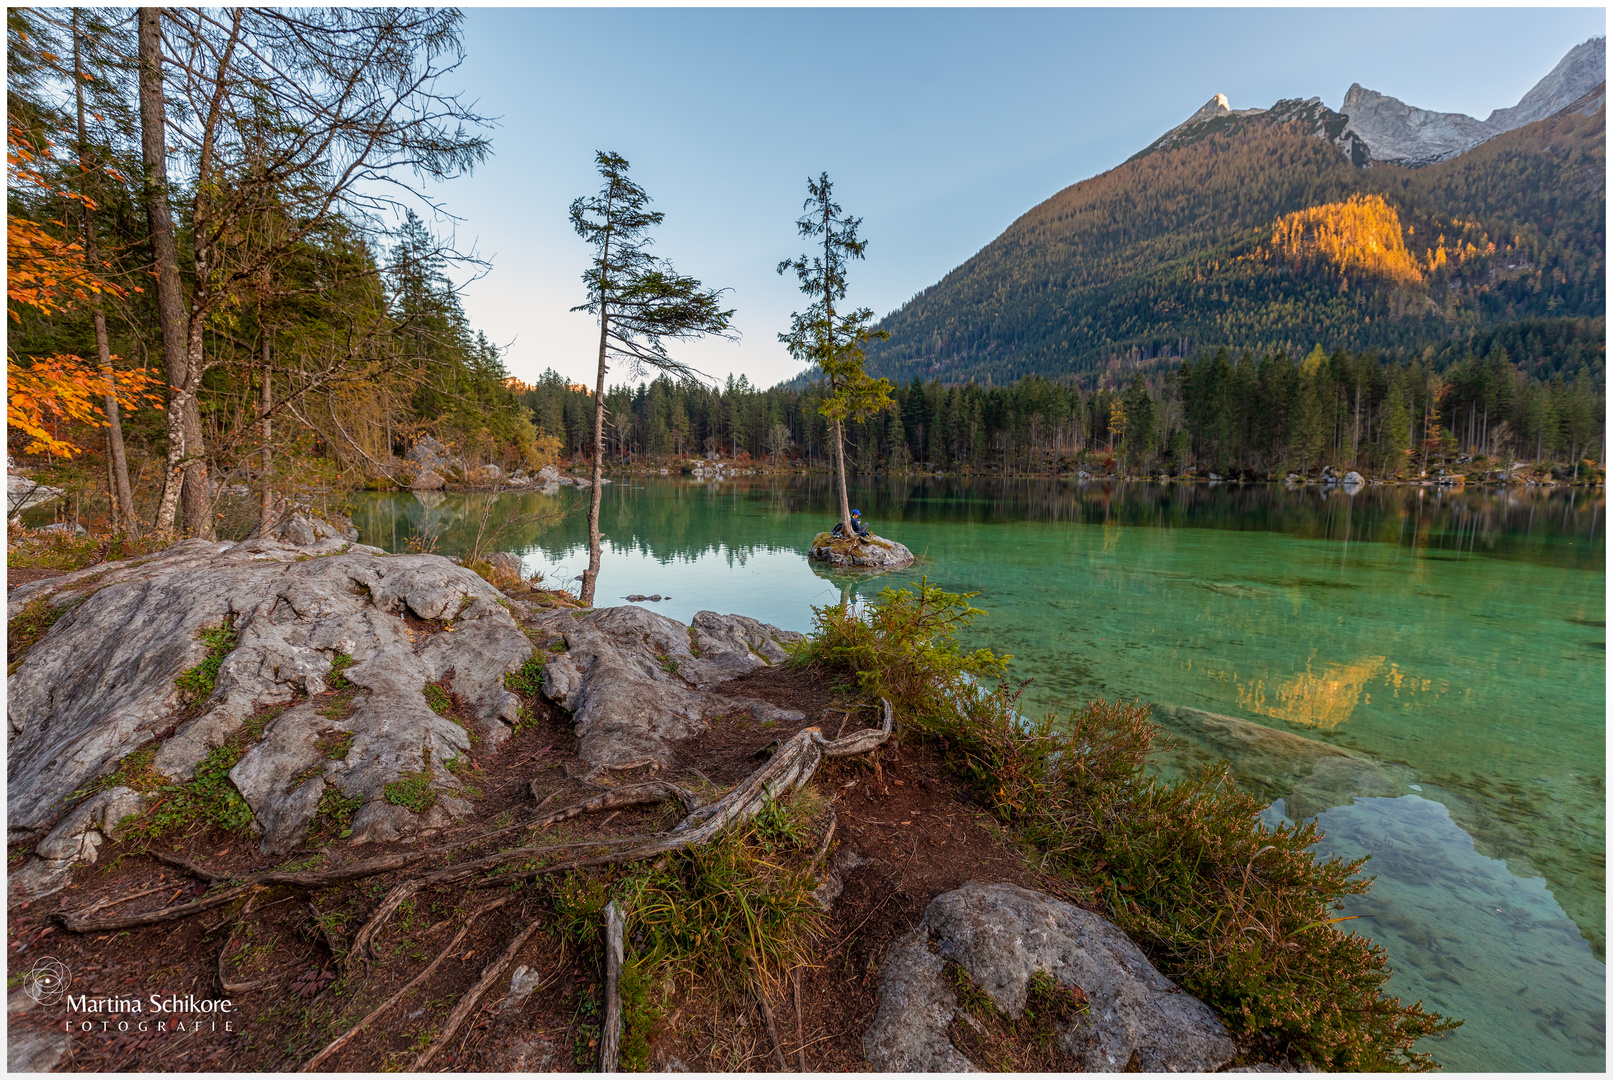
<point>1001,935</point>
<point>873,553</point>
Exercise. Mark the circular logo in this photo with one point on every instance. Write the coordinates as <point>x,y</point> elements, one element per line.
<point>48,981</point>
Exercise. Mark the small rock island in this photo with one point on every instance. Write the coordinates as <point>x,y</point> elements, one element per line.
<point>864,552</point>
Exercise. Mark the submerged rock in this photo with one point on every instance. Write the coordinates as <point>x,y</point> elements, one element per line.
<point>1002,935</point>
<point>872,552</point>
<point>1309,775</point>
<point>637,682</point>
<point>101,684</point>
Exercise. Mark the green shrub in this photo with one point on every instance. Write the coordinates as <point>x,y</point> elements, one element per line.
<point>413,791</point>
<point>198,681</point>
<point>904,647</point>
<point>1239,914</point>
<point>527,680</point>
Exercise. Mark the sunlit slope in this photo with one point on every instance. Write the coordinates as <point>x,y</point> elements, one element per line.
<point>1187,246</point>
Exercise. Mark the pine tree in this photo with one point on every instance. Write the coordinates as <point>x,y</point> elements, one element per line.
<point>639,300</point>
<point>834,342</point>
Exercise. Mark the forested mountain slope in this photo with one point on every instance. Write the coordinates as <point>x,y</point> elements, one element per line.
<point>1193,247</point>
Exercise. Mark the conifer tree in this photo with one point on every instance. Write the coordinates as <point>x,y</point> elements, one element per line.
<point>639,299</point>
<point>834,342</point>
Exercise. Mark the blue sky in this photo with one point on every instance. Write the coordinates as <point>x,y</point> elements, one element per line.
<point>938,126</point>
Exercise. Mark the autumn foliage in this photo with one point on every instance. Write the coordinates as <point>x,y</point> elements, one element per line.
<point>1359,237</point>
<point>50,274</point>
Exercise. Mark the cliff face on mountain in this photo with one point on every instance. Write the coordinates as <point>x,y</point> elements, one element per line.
<point>1405,135</point>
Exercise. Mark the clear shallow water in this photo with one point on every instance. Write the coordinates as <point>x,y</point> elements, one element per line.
<point>1457,637</point>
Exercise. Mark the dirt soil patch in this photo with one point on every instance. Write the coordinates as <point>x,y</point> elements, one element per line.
<point>904,833</point>
<point>22,575</point>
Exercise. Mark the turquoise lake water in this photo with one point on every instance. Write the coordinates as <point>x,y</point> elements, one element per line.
<point>1456,637</point>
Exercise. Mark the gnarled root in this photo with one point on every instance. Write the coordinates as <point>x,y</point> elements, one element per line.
<point>610,1040</point>
<point>347,1036</point>
<point>467,1004</point>
<point>82,921</point>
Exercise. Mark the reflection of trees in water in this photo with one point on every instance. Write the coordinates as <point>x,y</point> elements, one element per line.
<point>737,519</point>
<point>391,519</point>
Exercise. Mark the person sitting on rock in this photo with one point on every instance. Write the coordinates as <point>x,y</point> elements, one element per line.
<point>839,531</point>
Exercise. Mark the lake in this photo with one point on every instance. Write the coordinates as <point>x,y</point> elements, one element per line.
<point>1454,638</point>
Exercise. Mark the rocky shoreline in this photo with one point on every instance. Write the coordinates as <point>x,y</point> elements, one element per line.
<point>337,646</point>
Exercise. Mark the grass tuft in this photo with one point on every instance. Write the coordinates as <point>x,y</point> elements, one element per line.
<point>413,791</point>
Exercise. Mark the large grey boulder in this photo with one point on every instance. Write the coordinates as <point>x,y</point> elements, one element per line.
<point>637,682</point>
<point>869,553</point>
<point>1002,935</point>
<point>427,480</point>
<point>429,454</point>
<point>101,684</point>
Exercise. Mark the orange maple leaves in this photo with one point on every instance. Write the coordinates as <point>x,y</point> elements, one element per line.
<point>56,390</point>
<point>50,274</point>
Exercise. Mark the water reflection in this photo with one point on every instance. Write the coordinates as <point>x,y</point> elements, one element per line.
<point>1320,701</point>
<point>1551,526</point>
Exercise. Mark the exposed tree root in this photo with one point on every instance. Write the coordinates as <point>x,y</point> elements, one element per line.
<point>767,1016</point>
<point>787,770</point>
<point>81,922</point>
<point>823,845</point>
<point>342,1040</point>
<point>467,1004</point>
<point>800,1027</point>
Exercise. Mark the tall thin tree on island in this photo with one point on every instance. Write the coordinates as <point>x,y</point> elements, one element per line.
<point>834,342</point>
<point>639,300</point>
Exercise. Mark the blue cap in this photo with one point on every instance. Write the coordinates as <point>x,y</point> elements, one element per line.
<point>854,510</point>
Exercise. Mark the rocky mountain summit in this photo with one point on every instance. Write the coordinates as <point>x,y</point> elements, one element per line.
<point>1371,126</point>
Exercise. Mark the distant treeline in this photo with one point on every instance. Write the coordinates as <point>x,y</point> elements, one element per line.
<point>1249,415</point>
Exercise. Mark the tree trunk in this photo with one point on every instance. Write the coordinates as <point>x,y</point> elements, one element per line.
<point>119,492</point>
<point>840,478</point>
<point>186,471</point>
<point>591,575</point>
<point>266,510</point>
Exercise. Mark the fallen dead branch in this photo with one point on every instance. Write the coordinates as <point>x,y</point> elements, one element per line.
<point>342,1040</point>
<point>610,1040</point>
